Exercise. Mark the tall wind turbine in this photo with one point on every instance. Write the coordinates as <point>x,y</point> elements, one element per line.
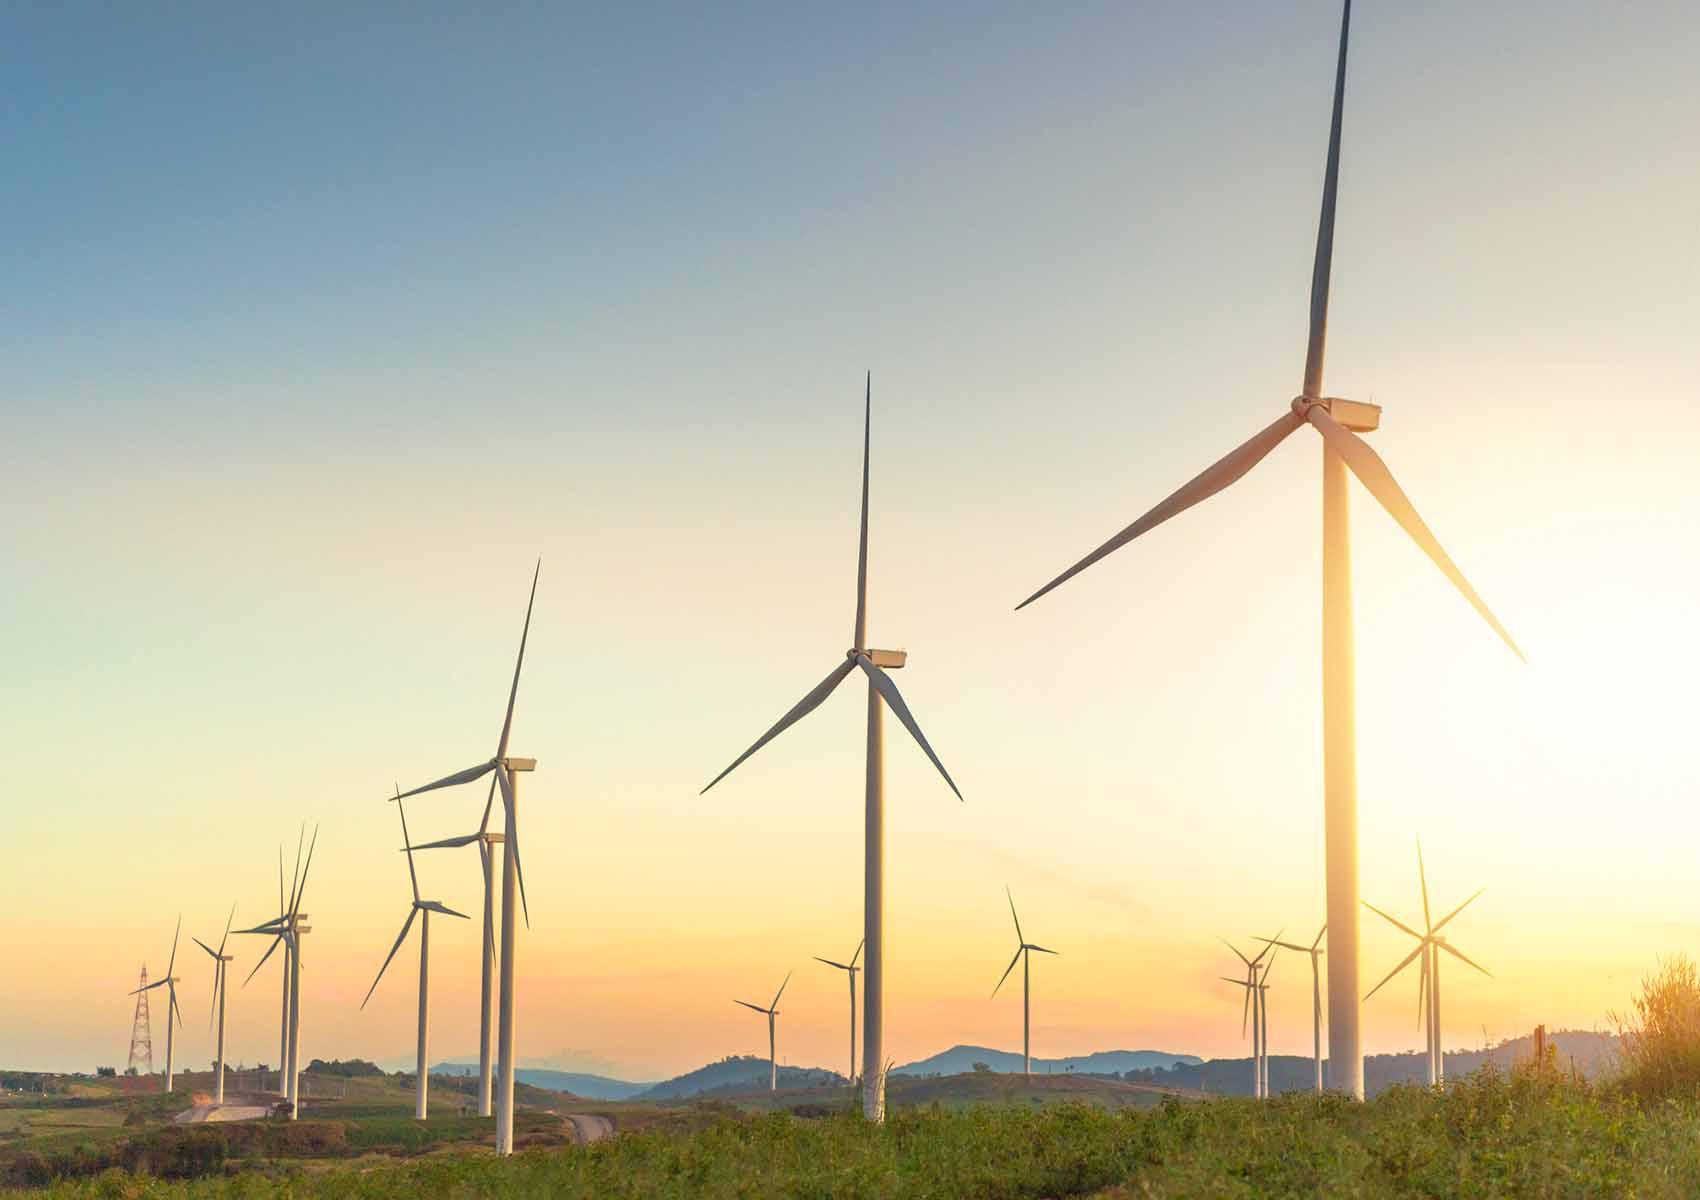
<point>168,981</point>
<point>423,910</point>
<point>1339,422</point>
<point>850,968</point>
<point>486,842</point>
<point>1429,944</point>
<point>219,958</point>
<point>1315,952</point>
<point>772,1011</point>
<point>1022,950</point>
<point>881,691</point>
<point>1253,1008</point>
<point>507,769</point>
<point>287,930</point>
<point>1263,1010</point>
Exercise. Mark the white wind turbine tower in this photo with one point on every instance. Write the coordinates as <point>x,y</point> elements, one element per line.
<point>287,930</point>
<point>772,1012</point>
<point>507,769</point>
<point>169,982</point>
<point>1339,422</point>
<point>1263,1008</point>
<point>219,958</point>
<point>1428,991</point>
<point>1315,952</point>
<point>1022,950</point>
<point>423,910</point>
<point>1253,1008</point>
<point>881,691</point>
<point>485,841</point>
<point>850,968</point>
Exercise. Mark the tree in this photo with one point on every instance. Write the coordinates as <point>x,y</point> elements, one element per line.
<point>107,1071</point>
<point>981,1068</point>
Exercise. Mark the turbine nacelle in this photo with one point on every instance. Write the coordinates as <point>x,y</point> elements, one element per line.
<point>889,660</point>
<point>1354,415</point>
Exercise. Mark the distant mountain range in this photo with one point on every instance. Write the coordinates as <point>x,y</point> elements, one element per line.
<point>591,1087</point>
<point>738,1074</point>
<point>960,1060</point>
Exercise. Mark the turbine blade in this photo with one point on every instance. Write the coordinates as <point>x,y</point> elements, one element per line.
<point>171,966</point>
<point>1236,951</point>
<point>175,1011</point>
<point>301,889</point>
<point>1391,920</point>
<point>1006,972</point>
<point>774,1007</point>
<point>459,777</point>
<point>465,839</point>
<point>489,802</point>
<point>227,923</point>
<point>1267,948</point>
<point>407,845</point>
<point>894,701</point>
<point>830,963</point>
<point>1284,945</point>
<point>438,906</point>
<point>203,945</point>
<point>1319,934</point>
<point>1325,226</point>
<point>263,958</point>
<point>1422,993</point>
<point>1042,950</point>
<point>1019,936</point>
<point>858,953</point>
<point>801,709</point>
<point>400,938</point>
<point>1459,954</point>
<point>489,913</point>
<point>512,842</point>
<point>1268,967</point>
<point>1366,464</point>
<point>1245,1009</point>
<point>1224,471</point>
<point>295,875</point>
<point>513,691</point>
<point>860,634</point>
<point>756,1007</point>
<point>1405,962</point>
<point>1459,909</point>
<point>1422,879</point>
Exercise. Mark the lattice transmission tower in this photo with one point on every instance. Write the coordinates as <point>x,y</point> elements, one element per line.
<point>141,1036</point>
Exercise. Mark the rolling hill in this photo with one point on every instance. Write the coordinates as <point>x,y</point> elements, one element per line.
<point>960,1060</point>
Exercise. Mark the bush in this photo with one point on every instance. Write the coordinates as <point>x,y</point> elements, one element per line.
<point>1661,1034</point>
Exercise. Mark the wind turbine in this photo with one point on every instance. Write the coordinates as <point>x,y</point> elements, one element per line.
<point>1339,422</point>
<point>169,982</point>
<point>1253,1008</point>
<point>1022,949</point>
<point>507,770</point>
<point>1315,952</point>
<point>423,910</point>
<point>485,841</point>
<point>772,1011</point>
<point>219,958</point>
<point>850,968</point>
<point>1263,1007</point>
<point>1428,991</point>
<point>287,929</point>
<point>881,690</point>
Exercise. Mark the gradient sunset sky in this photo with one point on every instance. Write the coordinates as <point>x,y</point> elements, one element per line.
<point>321,326</point>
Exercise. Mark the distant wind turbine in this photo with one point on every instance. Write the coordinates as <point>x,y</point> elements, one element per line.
<point>287,929</point>
<point>1022,951</point>
<point>1263,1006</point>
<point>881,691</point>
<point>169,982</point>
<point>850,968</point>
<point>1428,991</point>
<point>219,958</point>
<point>1253,1008</point>
<point>507,769</point>
<point>772,1011</point>
<point>1339,422</point>
<point>423,910</point>
<point>1314,951</point>
<point>486,842</point>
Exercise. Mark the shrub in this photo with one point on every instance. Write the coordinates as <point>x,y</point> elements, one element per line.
<point>1661,1033</point>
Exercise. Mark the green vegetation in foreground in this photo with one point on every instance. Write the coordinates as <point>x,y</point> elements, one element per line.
<point>1533,1134</point>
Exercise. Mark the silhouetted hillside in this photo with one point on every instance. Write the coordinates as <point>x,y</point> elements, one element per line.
<point>739,1074</point>
<point>591,1087</point>
<point>1590,1054</point>
<point>960,1060</point>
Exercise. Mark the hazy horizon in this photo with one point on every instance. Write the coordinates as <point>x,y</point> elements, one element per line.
<point>324,326</point>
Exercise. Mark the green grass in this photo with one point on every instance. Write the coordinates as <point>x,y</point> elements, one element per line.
<point>1488,1135</point>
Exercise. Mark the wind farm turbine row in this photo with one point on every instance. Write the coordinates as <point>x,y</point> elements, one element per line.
<point>1339,423</point>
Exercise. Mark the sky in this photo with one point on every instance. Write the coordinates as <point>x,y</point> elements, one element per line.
<point>323,325</point>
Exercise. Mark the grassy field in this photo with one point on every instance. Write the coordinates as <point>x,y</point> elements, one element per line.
<point>1488,1135</point>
